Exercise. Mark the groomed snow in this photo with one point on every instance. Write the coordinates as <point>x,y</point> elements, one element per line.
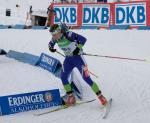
<point>127,82</point>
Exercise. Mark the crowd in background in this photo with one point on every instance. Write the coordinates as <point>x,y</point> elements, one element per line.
<point>77,1</point>
<point>82,1</point>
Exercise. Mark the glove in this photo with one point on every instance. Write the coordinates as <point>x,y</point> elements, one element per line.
<point>76,51</point>
<point>52,49</point>
<point>78,48</point>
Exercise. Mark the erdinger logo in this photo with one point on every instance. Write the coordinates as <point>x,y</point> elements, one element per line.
<point>48,97</point>
<point>48,60</point>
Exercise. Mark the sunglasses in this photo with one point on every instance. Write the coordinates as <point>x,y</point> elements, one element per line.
<point>56,31</point>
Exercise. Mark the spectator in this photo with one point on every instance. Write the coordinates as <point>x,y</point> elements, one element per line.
<point>28,22</point>
<point>105,1</point>
<point>50,13</point>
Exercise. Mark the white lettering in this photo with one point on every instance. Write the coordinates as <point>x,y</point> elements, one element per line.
<point>10,101</point>
<point>17,101</point>
<point>48,60</point>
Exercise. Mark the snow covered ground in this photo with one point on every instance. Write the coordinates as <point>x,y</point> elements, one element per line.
<point>127,82</point>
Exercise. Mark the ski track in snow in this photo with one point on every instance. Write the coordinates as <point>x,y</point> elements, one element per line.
<point>127,82</point>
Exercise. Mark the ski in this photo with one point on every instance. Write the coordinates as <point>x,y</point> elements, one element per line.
<point>64,107</point>
<point>107,109</point>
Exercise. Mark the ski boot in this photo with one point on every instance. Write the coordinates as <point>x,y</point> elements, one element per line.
<point>71,100</point>
<point>102,99</point>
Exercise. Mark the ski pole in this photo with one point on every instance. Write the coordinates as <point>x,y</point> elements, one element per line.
<point>60,53</point>
<point>89,71</point>
<point>115,57</point>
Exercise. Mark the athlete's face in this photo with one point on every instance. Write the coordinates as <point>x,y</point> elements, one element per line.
<point>57,36</point>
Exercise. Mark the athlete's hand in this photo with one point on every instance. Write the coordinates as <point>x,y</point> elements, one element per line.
<point>52,49</point>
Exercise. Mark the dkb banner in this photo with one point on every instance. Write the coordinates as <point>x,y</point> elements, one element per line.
<point>103,14</point>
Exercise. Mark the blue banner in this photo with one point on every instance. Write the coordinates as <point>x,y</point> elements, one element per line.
<point>49,63</point>
<point>29,101</point>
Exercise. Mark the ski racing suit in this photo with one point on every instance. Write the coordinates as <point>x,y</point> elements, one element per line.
<point>72,43</point>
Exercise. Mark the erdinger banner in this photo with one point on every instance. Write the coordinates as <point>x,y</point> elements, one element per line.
<point>103,15</point>
<point>29,101</point>
<point>49,63</point>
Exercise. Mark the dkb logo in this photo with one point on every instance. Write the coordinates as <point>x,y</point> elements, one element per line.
<point>131,14</point>
<point>96,15</point>
<point>66,14</point>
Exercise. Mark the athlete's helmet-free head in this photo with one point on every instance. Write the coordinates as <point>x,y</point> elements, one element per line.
<point>54,29</point>
<point>56,32</point>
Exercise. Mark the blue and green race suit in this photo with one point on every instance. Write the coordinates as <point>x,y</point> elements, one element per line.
<point>68,43</point>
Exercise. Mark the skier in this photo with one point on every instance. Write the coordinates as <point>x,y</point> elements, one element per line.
<point>72,43</point>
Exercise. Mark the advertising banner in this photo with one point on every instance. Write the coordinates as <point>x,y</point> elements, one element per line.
<point>29,101</point>
<point>103,15</point>
<point>95,15</point>
<point>49,63</point>
<point>66,13</point>
<point>82,14</point>
<point>134,14</point>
